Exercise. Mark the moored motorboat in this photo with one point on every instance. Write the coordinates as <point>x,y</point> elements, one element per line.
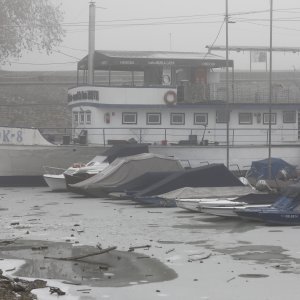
<point>98,164</point>
<point>189,198</point>
<point>282,174</point>
<point>284,211</point>
<point>123,170</point>
<point>56,182</point>
<point>56,179</point>
<point>227,207</point>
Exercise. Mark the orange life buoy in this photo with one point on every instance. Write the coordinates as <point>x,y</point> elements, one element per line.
<point>170,97</point>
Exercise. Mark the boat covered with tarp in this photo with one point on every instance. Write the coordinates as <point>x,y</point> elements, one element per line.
<point>213,175</point>
<point>271,174</point>
<point>128,189</point>
<point>98,165</point>
<point>124,150</point>
<point>123,170</point>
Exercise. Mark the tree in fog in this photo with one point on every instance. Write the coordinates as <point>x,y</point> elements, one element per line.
<point>26,25</point>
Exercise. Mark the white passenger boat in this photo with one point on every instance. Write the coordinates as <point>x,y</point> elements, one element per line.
<point>174,101</point>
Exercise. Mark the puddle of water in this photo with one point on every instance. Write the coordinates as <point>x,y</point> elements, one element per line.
<point>197,242</point>
<point>113,269</point>
<point>264,254</point>
<point>70,215</point>
<point>253,275</point>
<point>170,242</point>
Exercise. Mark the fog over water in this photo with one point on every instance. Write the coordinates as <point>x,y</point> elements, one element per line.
<point>173,25</point>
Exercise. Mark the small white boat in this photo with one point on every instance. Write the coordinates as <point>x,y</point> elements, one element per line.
<point>56,182</point>
<point>55,177</point>
<point>195,204</point>
<point>219,203</point>
<point>228,211</point>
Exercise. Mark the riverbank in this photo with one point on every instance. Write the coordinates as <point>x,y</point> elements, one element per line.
<point>208,257</point>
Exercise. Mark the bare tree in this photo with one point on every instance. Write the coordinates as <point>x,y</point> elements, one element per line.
<point>28,25</point>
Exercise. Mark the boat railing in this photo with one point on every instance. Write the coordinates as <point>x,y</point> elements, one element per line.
<point>201,136</point>
<point>53,170</point>
<point>242,91</point>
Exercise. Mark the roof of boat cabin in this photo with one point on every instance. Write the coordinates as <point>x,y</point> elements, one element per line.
<point>130,60</point>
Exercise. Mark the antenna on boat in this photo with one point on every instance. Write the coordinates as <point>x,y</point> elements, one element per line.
<point>92,22</point>
<point>270,92</point>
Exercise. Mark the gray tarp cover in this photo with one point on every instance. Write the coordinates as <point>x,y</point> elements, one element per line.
<point>125,169</point>
<point>208,192</point>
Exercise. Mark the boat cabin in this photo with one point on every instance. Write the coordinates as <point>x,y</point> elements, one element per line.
<point>190,75</point>
<point>173,98</point>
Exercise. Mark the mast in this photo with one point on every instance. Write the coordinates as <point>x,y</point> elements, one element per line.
<point>91,46</point>
<point>227,90</point>
<point>270,92</point>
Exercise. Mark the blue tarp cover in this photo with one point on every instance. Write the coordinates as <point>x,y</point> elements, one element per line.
<point>260,168</point>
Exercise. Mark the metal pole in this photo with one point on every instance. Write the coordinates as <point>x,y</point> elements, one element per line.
<point>270,90</point>
<point>104,140</point>
<point>92,22</point>
<point>227,90</point>
<point>232,80</point>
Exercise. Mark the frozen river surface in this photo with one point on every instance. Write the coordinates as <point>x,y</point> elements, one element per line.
<point>200,257</point>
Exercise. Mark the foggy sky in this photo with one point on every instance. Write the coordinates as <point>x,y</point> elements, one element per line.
<point>174,25</point>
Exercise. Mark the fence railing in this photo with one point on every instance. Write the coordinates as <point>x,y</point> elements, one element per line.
<point>174,136</point>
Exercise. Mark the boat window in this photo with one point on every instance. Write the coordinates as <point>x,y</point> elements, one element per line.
<point>138,78</point>
<point>153,75</point>
<point>101,77</point>
<point>81,117</point>
<point>129,118</point>
<point>177,119</point>
<point>88,117</point>
<point>200,119</point>
<point>121,78</point>
<point>221,116</point>
<point>289,117</point>
<point>266,118</point>
<point>75,118</point>
<point>153,118</point>
<point>245,118</point>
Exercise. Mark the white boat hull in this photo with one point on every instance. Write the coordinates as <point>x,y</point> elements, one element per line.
<point>56,182</point>
<point>239,156</point>
<point>18,162</point>
<point>190,205</point>
<point>227,211</point>
<point>24,165</point>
